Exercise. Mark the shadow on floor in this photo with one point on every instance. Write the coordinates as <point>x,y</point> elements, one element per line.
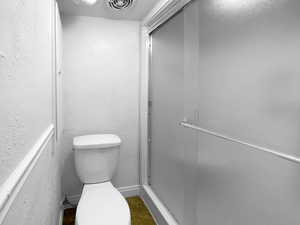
<point>140,215</point>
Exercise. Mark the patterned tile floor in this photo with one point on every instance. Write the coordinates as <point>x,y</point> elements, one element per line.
<point>140,215</point>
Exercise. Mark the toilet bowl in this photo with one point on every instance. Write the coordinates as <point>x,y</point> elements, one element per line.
<point>102,204</point>
<point>96,158</point>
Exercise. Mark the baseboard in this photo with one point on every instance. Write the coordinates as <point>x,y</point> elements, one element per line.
<point>74,199</point>
<point>157,208</point>
<point>61,216</point>
<point>128,191</point>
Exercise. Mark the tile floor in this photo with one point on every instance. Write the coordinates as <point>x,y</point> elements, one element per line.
<point>140,215</point>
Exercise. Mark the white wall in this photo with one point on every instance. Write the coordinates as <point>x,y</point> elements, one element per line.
<point>101,90</point>
<point>26,107</point>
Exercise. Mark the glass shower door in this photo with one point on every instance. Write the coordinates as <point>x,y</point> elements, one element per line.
<point>247,89</point>
<point>173,92</point>
<point>167,110</point>
<point>234,71</point>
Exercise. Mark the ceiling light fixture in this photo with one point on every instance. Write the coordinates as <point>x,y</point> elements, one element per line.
<point>86,2</point>
<point>239,5</point>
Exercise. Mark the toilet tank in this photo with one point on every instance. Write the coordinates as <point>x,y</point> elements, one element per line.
<point>96,157</point>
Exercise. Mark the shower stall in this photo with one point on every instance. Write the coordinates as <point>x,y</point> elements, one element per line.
<point>223,113</point>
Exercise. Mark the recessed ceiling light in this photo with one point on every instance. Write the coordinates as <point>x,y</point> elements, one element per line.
<point>237,5</point>
<point>86,2</point>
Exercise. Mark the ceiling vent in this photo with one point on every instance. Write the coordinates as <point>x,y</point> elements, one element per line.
<point>119,4</point>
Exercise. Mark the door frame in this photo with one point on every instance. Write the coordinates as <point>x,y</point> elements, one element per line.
<point>55,69</point>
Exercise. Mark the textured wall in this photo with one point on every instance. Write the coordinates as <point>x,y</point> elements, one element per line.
<point>101,86</point>
<point>26,104</point>
<point>25,78</point>
<point>38,201</point>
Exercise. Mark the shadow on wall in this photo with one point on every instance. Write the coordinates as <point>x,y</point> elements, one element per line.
<point>68,21</point>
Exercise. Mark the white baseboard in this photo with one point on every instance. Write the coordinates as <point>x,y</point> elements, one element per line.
<point>61,216</point>
<point>74,199</point>
<point>157,208</point>
<point>128,191</point>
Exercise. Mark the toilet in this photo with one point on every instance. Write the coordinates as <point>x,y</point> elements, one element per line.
<point>96,159</point>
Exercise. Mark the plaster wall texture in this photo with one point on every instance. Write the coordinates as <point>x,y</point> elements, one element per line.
<point>26,106</point>
<point>101,90</point>
<point>25,78</point>
<point>38,201</point>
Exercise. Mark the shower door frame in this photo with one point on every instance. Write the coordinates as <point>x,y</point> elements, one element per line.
<point>162,12</point>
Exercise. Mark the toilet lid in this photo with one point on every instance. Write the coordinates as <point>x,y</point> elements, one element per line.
<point>96,141</point>
<point>102,204</point>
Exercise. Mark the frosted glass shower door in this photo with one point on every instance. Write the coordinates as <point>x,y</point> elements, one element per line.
<point>248,89</point>
<point>231,70</point>
<point>167,109</point>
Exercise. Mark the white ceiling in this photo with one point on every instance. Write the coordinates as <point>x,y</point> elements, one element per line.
<point>100,9</point>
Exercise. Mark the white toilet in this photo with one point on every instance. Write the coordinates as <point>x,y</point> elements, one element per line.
<point>96,158</point>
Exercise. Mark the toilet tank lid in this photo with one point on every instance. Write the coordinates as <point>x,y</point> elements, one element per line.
<point>96,141</point>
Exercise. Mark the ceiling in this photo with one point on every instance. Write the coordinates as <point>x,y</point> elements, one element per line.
<point>137,12</point>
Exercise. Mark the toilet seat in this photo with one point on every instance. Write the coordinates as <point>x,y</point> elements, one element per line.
<point>102,204</point>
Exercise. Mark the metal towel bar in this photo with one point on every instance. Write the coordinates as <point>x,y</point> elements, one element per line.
<point>256,147</point>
